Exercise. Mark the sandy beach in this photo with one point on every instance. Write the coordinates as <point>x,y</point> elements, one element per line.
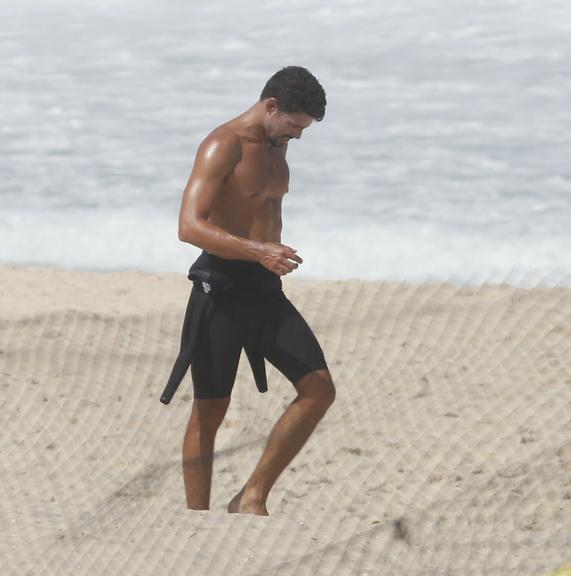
<point>447,451</point>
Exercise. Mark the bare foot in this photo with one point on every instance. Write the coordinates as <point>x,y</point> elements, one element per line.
<point>241,505</point>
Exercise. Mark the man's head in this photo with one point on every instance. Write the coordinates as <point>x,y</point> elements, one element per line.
<point>292,98</point>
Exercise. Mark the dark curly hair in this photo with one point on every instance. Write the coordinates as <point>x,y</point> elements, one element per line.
<point>296,90</point>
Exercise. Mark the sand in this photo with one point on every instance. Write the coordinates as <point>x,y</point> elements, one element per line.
<point>447,451</point>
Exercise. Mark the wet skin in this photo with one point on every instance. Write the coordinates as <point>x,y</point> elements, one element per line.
<point>232,203</point>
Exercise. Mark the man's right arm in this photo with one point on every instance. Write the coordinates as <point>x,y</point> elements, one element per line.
<point>215,160</point>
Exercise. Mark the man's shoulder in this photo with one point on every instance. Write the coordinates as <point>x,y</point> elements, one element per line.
<point>222,141</point>
<point>226,133</point>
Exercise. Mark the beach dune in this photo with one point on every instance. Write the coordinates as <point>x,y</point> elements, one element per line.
<point>447,451</point>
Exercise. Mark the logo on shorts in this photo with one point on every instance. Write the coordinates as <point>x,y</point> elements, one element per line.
<point>206,286</point>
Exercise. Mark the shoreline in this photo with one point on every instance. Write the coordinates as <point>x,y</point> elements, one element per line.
<point>115,292</point>
<point>556,278</point>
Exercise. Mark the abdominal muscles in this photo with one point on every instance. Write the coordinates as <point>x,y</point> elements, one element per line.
<point>255,218</point>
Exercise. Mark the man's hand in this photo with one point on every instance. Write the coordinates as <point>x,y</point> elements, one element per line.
<point>278,257</point>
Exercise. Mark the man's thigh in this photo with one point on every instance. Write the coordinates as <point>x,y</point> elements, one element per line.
<point>217,349</point>
<point>288,342</point>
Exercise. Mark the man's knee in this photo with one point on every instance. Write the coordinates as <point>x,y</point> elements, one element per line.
<point>208,413</point>
<point>329,391</point>
<point>319,386</point>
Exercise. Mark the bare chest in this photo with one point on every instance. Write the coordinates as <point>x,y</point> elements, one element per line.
<point>262,174</point>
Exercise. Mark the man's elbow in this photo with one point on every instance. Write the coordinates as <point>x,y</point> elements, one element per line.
<point>187,232</point>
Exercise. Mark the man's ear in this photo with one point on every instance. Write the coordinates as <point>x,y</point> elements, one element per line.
<point>271,105</point>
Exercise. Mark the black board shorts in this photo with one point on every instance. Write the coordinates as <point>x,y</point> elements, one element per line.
<point>235,305</point>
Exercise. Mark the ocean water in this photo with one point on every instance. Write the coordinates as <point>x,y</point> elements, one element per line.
<point>444,153</point>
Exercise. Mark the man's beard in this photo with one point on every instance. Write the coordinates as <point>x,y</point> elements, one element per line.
<point>276,142</point>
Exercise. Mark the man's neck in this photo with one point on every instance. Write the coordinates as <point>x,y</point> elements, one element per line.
<point>251,122</point>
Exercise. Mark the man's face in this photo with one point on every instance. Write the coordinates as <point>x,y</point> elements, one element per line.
<point>282,126</point>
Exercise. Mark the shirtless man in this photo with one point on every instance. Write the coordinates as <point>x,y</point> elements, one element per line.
<point>231,208</point>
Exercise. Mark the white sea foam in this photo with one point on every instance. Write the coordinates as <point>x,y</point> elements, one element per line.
<point>444,153</point>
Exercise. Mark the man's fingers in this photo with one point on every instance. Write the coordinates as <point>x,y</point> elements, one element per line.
<point>290,265</point>
<point>293,256</point>
<point>290,253</point>
<point>288,260</point>
<point>296,258</point>
<point>285,267</point>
